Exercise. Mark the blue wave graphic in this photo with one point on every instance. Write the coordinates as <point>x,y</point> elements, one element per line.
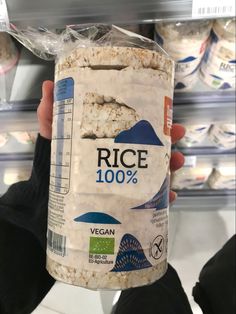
<point>226,86</point>
<point>232,61</point>
<point>160,200</point>
<point>180,86</point>
<point>141,133</point>
<point>188,59</point>
<point>130,255</point>
<point>97,218</point>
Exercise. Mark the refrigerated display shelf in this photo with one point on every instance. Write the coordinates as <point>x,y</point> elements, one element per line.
<point>204,105</point>
<point>202,200</point>
<point>16,157</point>
<point>206,151</point>
<point>51,14</point>
<point>16,120</point>
<point>205,193</point>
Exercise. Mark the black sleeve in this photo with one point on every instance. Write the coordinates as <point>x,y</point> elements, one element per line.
<point>216,290</point>
<point>24,280</point>
<point>165,296</point>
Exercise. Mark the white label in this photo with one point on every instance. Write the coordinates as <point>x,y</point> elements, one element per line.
<point>190,161</point>
<point>213,8</point>
<point>4,19</point>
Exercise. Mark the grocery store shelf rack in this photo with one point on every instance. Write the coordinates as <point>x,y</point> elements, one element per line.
<point>204,106</point>
<point>16,157</point>
<point>205,199</point>
<point>49,13</point>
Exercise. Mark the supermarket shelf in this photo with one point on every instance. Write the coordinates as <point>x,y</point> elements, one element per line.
<point>49,13</point>
<point>205,193</point>
<point>28,156</point>
<point>206,151</point>
<point>204,105</point>
<point>19,106</point>
<point>202,200</point>
<point>12,121</point>
<point>205,155</point>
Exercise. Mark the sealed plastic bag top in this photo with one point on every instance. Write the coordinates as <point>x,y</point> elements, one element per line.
<point>51,44</point>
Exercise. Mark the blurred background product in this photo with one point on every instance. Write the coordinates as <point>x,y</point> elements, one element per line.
<point>223,178</point>
<point>24,137</point>
<point>223,135</point>
<point>185,42</point>
<point>3,139</point>
<point>9,56</point>
<point>190,178</point>
<point>195,134</point>
<point>8,53</point>
<point>219,63</point>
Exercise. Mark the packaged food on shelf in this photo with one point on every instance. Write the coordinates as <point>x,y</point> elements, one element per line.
<point>223,135</point>
<point>4,137</point>
<point>191,178</point>
<point>25,138</point>
<point>12,176</point>
<point>8,53</point>
<point>117,169</point>
<point>195,134</point>
<point>223,178</point>
<point>185,42</point>
<point>219,63</point>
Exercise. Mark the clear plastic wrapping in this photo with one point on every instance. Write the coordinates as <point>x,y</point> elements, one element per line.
<point>113,95</point>
<point>49,44</point>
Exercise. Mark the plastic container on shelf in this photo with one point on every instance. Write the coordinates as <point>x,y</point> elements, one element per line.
<point>195,134</point>
<point>223,178</point>
<point>185,42</point>
<point>8,53</point>
<point>191,178</point>
<point>8,58</point>
<point>4,137</point>
<point>25,138</point>
<point>223,135</point>
<point>219,63</point>
<point>12,176</point>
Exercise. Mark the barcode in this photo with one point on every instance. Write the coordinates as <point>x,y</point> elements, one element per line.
<point>56,243</point>
<point>215,10</point>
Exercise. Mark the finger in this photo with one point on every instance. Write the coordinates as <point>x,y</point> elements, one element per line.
<point>46,105</point>
<point>47,99</point>
<point>176,161</point>
<point>173,196</point>
<point>177,132</point>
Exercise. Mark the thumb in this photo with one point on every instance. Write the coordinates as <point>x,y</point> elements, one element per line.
<point>45,109</point>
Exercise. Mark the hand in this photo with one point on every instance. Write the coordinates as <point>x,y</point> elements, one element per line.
<point>177,159</point>
<point>45,109</point>
<point>45,127</point>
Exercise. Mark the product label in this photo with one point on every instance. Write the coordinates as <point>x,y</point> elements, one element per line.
<point>213,8</point>
<point>187,58</point>
<point>109,182</point>
<point>219,64</point>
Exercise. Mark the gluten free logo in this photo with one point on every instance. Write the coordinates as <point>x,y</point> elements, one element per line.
<point>157,247</point>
